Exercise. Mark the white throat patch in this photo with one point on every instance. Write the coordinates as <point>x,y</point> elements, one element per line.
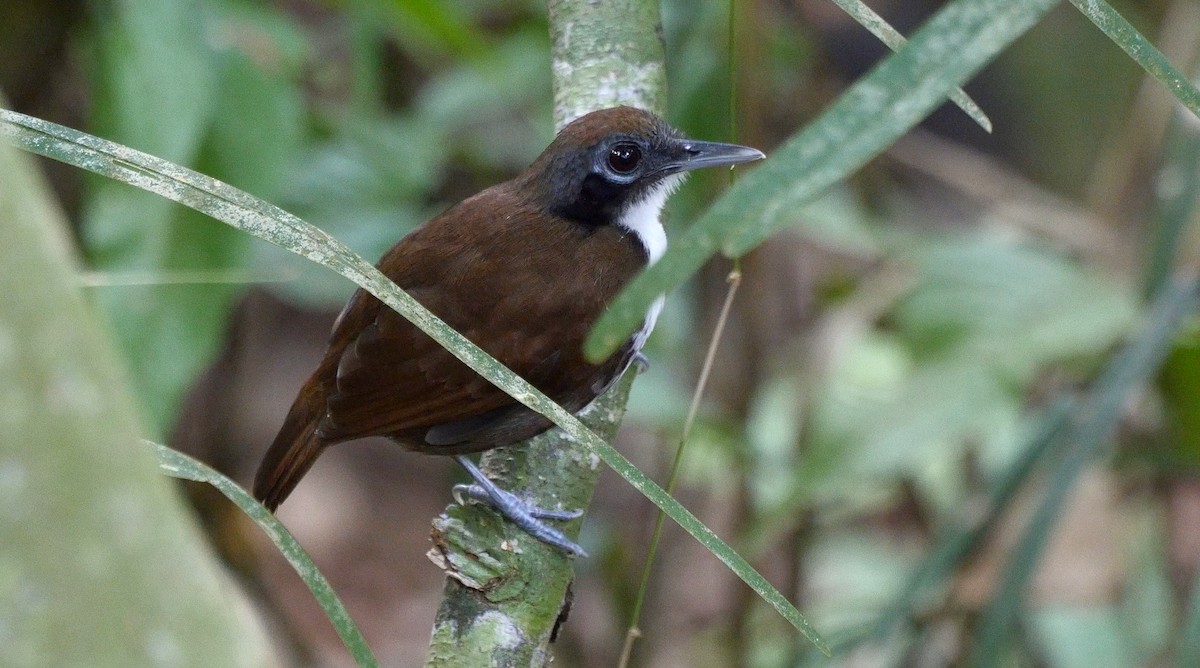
<point>642,219</point>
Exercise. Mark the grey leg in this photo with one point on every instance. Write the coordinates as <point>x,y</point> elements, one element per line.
<point>519,512</point>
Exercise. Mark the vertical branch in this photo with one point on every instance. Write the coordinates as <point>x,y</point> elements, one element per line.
<point>506,594</point>
<point>606,54</point>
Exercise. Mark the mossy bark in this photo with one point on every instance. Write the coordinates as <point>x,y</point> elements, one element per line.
<point>507,592</point>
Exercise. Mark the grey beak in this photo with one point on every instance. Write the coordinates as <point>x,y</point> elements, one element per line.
<point>698,154</point>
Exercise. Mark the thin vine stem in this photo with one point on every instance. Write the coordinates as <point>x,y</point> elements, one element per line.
<point>634,632</point>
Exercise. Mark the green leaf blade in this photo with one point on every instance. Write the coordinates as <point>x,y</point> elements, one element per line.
<point>882,30</point>
<point>179,465</point>
<point>1140,50</point>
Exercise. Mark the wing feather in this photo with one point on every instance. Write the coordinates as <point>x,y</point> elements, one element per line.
<point>528,305</point>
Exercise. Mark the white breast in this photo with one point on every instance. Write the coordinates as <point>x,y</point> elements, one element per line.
<point>642,219</point>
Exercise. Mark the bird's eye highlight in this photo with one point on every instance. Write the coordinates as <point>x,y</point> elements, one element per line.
<point>624,158</point>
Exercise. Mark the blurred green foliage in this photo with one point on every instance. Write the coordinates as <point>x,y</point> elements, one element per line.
<point>243,92</point>
<point>366,117</point>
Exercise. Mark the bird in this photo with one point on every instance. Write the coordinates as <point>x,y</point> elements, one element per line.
<point>523,269</point>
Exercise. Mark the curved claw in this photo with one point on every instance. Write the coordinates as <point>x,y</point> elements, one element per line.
<point>520,512</point>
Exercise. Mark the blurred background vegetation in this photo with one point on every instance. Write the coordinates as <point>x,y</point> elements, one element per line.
<point>885,402</point>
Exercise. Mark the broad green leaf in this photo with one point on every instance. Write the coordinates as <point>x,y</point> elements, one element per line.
<point>156,84</point>
<point>496,111</point>
<point>100,563</point>
<point>157,87</point>
<point>156,74</point>
<point>873,113</point>
<point>956,543</point>
<point>352,186</point>
<point>170,329</point>
<point>982,322</point>
<point>261,125</point>
<point>1010,308</point>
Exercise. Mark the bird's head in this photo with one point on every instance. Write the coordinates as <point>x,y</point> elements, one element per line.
<point>610,164</point>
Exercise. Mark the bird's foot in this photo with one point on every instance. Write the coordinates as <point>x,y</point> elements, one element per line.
<point>509,500</point>
<point>641,362</point>
<point>520,512</point>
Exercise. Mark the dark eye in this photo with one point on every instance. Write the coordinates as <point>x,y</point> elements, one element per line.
<point>624,158</point>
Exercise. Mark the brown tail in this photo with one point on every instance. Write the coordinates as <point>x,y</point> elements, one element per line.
<point>296,447</point>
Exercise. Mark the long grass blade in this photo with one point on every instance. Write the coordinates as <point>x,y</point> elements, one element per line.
<point>1141,50</point>
<point>883,31</point>
<point>1175,200</point>
<point>179,465</point>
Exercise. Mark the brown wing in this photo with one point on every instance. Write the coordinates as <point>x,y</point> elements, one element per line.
<point>530,305</point>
